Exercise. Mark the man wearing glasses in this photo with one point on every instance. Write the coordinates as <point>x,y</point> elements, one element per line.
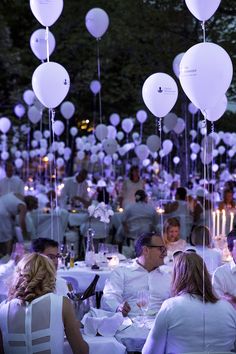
<point>49,248</point>
<point>120,291</point>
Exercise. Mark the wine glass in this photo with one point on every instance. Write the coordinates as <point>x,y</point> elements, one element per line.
<point>143,303</point>
<point>64,254</point>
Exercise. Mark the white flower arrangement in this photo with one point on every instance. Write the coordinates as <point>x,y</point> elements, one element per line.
<point>102,211</point>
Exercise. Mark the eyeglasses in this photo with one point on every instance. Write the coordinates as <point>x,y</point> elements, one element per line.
<point>53,256</point>
<point>161,248</point>
<point>189,250</point>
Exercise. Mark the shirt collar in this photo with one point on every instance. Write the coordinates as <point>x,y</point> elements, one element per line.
<point>135,266</point>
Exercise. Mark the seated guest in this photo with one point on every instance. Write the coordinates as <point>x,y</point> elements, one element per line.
<point>224,277</point>
<point>227,202</point>
<point>130,185</point>
<point>171,236</point>
<point>11,183</point>
<point>194,320</point>
<point>49,248</point>
<point>180,209</point>
<point>139,217</point>
<point>33,316</point>
<point>120,291</point>
<point>201,239</point>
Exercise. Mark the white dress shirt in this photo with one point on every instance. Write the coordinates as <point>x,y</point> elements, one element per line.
<point>211,257</point>
<point>72,188</point>
<point>224,279</point>
<point>125,282</point>
<point>13,184</point>
<point>184,322</point>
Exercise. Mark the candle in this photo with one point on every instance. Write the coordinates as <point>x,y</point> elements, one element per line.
<point>213,224</point>
<point>223,232</point>
<point>217,222</point>
<point>231,221</point>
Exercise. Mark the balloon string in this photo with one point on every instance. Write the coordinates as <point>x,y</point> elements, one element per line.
<point>203,31</point>
<point>99,78</point>
<point>47,42</point>
<point>141,131</point>
<point>186,146</point>
<point>212,163</point>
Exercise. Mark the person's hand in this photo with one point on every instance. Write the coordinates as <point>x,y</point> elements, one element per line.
<point>124,308</point>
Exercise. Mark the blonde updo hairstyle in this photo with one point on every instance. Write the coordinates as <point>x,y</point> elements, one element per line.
<point>35,275</point>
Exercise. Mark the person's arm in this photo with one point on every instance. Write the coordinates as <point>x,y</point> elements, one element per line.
<point>1,343</point>
<point>82,200</point>
<point>72,329</point>
<point>218,283</point>
<point>22,214</point>
<point>157,338</point>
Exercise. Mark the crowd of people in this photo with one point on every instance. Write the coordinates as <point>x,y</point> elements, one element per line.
<point>193,304</point>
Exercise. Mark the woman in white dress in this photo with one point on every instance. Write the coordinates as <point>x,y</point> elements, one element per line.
<point>33,319</point>
<point>194,320</point>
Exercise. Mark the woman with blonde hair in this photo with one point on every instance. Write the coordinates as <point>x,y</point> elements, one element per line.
<point>171,236</point>
<point>33,319</point>
<point>194,320</point>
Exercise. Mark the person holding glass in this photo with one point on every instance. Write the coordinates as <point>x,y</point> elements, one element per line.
<point>194,319</point>
<point>34,319</point>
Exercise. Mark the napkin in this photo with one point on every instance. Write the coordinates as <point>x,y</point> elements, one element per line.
<point>102,322</point>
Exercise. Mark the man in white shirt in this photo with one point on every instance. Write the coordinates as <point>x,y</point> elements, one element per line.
<point>11,183</point>
<point>120,291</point>
<point>76,190</point>
<point>224,277</point>
<point>49,248</point>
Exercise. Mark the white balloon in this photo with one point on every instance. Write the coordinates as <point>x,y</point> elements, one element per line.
<point>37,135</point>
<point>159,93</point>
<point>58,127</point>
<point>97,22</point>
<point>110,146</point>
<point>205,158</point>
<point>180,126</point>
<point>146,162</point>
<point>193,156</point>
<point>38,43</point>
<point>195,148</point>
<point>167,146</point>
<point>176,160</point>
<point>153,143</point>
<point>73,131</point>
<point>114,119</point>
<point>101,155</point>
<point>120,136</point>
<point>19,110</point>
<point>50,157</point>
<point>108,160</point>
<point>46,12</point>
<point>215,167</point>
<point>142,151</point>
<point>19,163</point>
<point>46,134</point>
<point>111,132</point>
<point>80,155</point>
<point>165,129</point>
<point>192,108</point>
<point>170,120</point>
<point>205,74</point>
<point>51,83</point>
<point>29,97</point>
<point>34,114</point>
<point>215,113</point>
<point>60,162</point>
<point>176,63</point>
<point>127,125</point>
<point>115,157</point>
<point>34,143</point>
<point>67,109</point>
<point>93,158</point>
<point>17,154</point>
<point>4,155</point>
<point>203,131</point>
<point>202,9</point>
<point>101,131</point>
<point>95,86</point>
<point>141,116</point>
<point>193,133</point>
<point>5,124</point>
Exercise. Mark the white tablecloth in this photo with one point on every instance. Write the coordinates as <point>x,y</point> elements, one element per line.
<point>100,345</point>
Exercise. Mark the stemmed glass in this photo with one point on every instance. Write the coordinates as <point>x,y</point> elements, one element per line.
<point>64,254</point>
<point>143,303</point>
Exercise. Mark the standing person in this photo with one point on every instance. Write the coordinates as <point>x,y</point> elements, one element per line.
<point>120,291</point>
<point>228,202</point>
<point>33,319</point>
<point>12,205</point>
<point>130,186</point>
<point>76,190</point>
<point>11,183</point>
<point>194,320</point>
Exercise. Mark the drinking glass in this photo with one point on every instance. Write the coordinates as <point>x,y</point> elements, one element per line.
<point>64,254</point>
<point>143,303</point>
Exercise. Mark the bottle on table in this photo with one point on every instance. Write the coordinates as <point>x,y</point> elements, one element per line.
<point>72,255</point>
<point>90,250</point>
